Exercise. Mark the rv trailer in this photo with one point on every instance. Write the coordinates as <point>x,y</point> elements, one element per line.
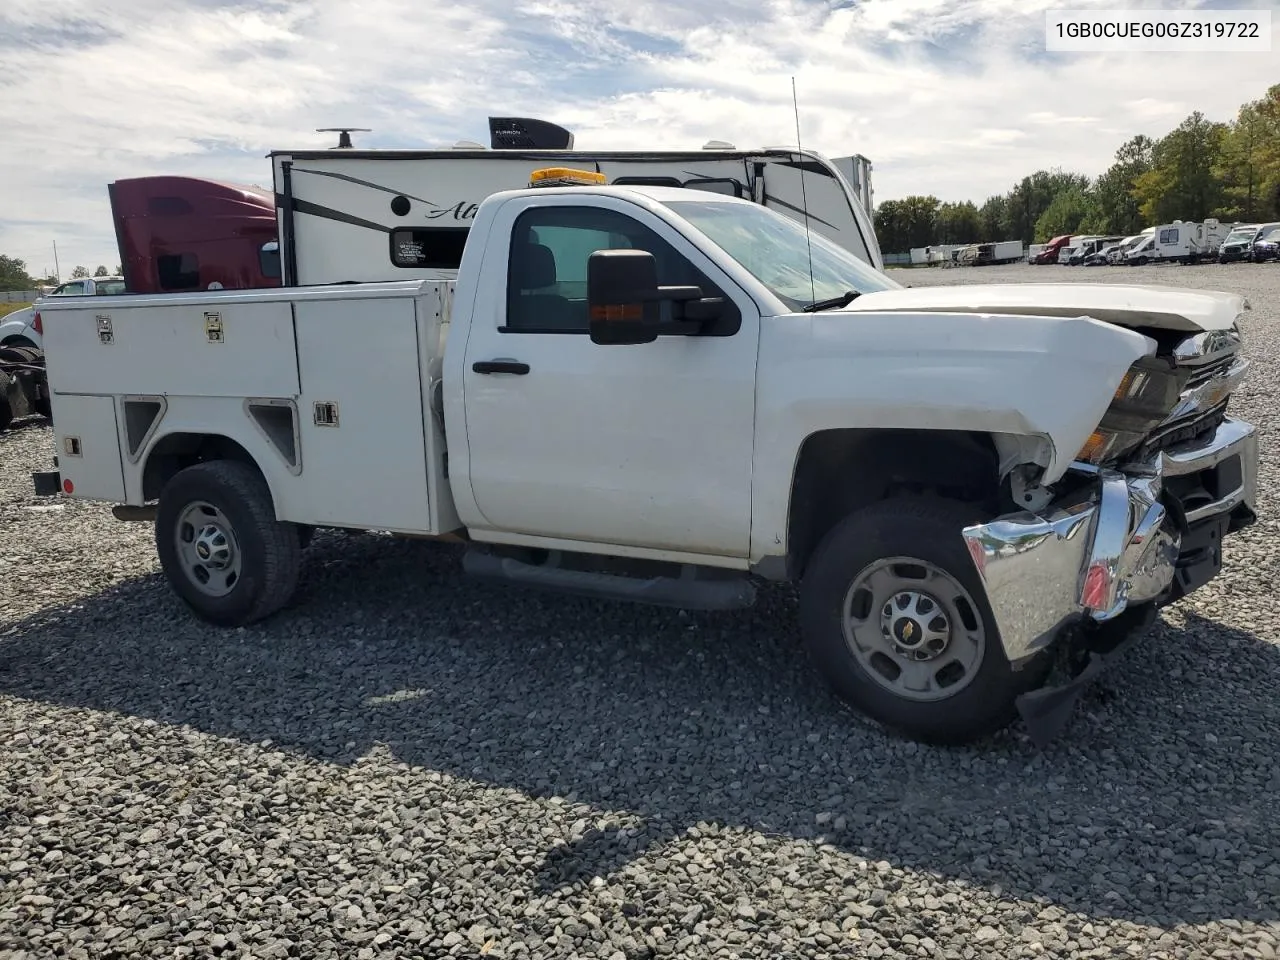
<point>359,215</point>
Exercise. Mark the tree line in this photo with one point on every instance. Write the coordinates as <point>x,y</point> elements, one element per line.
<point>14,275</point>
<point>1198,170</point>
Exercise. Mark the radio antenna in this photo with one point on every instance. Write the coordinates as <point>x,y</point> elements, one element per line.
<point>804,200</point>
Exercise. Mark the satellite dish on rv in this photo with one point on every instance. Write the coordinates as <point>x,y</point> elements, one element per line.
<point>344,135</point>
<point>526,133</point>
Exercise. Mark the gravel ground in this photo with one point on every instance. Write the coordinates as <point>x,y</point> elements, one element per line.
<point>406,763</point>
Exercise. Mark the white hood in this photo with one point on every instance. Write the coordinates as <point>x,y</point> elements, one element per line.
<point>1128,305</point>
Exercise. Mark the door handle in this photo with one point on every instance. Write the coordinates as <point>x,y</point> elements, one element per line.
<point>500,366</point>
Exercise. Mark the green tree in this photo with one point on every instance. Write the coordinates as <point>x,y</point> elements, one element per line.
<point>1028,200</point>
<point>1181,184</point>
<point>1115,208</point>
<point>79,272</point>
<point>100,272</point>
<point>990,220</point>
<point>13,274</point>
<point>957,223</point>
<point>906,223</point>
<point>1249,167</point>
<point>1064,215</point>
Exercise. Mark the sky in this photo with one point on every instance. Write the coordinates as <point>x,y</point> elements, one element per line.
<point>957,98</point>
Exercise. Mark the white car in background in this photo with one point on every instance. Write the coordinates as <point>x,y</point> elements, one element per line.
<point>22,327</point>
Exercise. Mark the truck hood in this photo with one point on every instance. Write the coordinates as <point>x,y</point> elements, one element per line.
<point>1127,305</point>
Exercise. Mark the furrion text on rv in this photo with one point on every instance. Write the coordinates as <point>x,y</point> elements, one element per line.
<point>666,395</point>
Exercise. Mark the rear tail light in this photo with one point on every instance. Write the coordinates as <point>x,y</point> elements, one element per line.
<point>37,326</point>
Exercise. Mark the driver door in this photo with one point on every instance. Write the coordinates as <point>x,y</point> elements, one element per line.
<point>645,445</point>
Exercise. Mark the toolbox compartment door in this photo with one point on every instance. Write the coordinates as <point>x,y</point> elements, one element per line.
<point>201,349</point>
<point>88,448</point>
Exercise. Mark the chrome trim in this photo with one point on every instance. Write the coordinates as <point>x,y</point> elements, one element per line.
<point>1095,558</point>
<point>1100,591</point>
<point>1233,438</point>
<point>1030,567</point>
<point>1232,435</point>
<point>1208,346</point>
<point>1207,395</point>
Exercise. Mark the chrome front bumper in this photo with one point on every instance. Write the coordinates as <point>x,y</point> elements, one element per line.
<point>1118,546</point>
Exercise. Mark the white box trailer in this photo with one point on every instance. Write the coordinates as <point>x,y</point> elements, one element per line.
<point>355,215</point>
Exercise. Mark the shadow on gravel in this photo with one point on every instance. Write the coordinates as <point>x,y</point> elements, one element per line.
<point>681,720</point>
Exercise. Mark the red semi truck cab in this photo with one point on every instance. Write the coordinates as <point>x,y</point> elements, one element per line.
<point>188,233</point>
<point>1050,253</point>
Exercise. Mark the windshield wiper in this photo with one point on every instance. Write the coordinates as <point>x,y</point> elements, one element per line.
<point>834,303</point>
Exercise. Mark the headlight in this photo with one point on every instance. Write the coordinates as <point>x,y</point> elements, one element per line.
<point>1147,394</point>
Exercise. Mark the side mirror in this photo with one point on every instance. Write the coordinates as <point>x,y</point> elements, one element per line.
<point>269,259</point>
<point>622,296</point>
<point>625,300</point>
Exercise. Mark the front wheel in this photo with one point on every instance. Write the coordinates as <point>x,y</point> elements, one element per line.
<point>221,547</point>
<point>895,617</point>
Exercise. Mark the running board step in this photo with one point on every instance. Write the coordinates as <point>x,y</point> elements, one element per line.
<point>685,592</point>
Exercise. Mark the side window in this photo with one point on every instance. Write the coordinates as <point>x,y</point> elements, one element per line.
<point>73,289</point>
<point>547,273</point>
<point>269,259</point>
<point>179,271</point>
<point>436,248</point>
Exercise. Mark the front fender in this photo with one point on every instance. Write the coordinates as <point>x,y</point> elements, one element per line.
<point>18,324</point>
<point>1048,379</point>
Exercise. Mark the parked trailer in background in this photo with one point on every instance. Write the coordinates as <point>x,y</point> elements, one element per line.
<point>1187,241</point>
<point>356,215</point>
<point>989,254</point>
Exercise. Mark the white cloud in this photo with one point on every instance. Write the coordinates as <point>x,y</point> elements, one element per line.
<point>951,97</point>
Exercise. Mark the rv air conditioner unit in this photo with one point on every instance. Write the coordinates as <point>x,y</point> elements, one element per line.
<point>717,145</point>
<point>525,133</point>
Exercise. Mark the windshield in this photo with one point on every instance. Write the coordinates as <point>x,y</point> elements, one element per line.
<point>1243,234</point>
<point>773,249</point>
<point>1272,234</point>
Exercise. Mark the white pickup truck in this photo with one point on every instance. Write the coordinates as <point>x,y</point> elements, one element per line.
<point>661,395</point>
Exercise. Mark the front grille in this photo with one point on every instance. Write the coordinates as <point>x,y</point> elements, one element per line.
<point>1203,374</point>
<point>1197,429</point>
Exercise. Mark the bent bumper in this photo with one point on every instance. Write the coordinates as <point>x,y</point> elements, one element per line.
<point>1116,546</point>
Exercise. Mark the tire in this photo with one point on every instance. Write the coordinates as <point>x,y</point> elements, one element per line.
<point>225,507</point>
<point>923,531</point>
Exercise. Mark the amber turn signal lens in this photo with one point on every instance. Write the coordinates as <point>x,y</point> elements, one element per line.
<point>1096,442</point>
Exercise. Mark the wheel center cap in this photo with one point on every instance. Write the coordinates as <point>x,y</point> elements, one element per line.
<point>202,550</point>
<point>908,632</point>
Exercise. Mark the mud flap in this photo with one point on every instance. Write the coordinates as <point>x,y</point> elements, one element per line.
<point>1047,711</point>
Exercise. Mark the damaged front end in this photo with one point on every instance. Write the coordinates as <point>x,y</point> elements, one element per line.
<point>1138,520</point>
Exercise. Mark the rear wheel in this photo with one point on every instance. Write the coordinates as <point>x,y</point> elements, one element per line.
<point>221,547</point>
<point>895,617</point>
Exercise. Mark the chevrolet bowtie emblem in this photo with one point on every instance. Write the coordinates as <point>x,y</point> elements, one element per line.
<point>908,630</point>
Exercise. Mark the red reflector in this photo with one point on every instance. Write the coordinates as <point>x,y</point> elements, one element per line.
<point>68,486</point>
<point>38,325</point>
<point>1096,582</point>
